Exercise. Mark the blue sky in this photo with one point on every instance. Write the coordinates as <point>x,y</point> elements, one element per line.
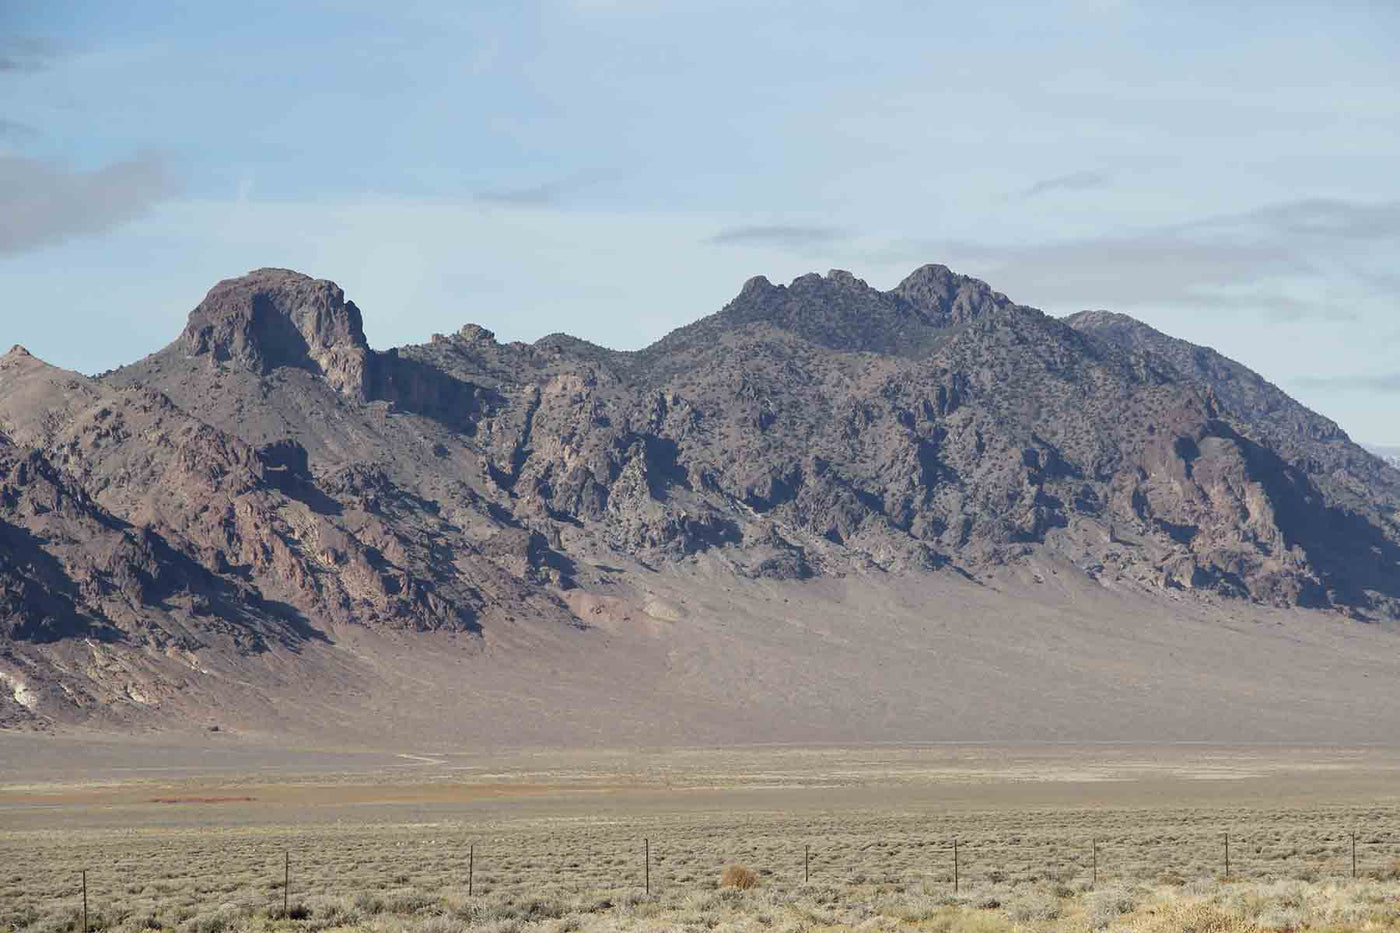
<point>616,168</point>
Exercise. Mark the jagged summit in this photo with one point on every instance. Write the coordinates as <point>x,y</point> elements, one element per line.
<point>842,312</point>
<point>948,299</point>
<point>276,317</point>
<point>838,311</point>
<point>755,284</point>
<point>473,333</point>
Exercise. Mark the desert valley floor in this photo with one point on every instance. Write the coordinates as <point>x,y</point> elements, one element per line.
<point>597,777</point>
<point>198,834</point>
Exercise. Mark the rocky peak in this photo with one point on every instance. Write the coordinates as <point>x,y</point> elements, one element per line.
<point>757,285</point>
<point>842,277</point>
<point>17,360</point>
<point>272,318</point>
<point>837,310</point>
<point>475,333</point>
<point>946,297</point>
<point>1119,328</point>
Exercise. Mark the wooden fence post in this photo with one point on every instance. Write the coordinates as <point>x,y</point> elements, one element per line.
<point>955,864</point>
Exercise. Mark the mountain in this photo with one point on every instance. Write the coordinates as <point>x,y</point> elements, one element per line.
<point>1345,490</point>
<point>1304,438</point>
<point>269,505</point>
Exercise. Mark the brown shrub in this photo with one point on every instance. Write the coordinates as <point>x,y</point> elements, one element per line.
<point>1192,918</point>
<point>737,876</point>
<point>1385,874</point>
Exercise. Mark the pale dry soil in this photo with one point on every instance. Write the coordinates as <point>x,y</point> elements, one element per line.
<point>196,837</point>
<point>691,657</point>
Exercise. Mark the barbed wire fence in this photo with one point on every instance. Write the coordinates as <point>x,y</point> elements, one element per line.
<point>963,863</point>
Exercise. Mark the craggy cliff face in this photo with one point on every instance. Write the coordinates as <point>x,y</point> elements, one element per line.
<point>268,476</point>
<point>273,318</point>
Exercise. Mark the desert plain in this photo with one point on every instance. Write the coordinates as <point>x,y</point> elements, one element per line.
<point>201,835</point>
<point>470,810</point>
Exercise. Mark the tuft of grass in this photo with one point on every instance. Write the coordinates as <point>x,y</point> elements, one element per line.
<point>296,911</point>
<point>1033,907</point>
<point>739,877</point>
<point>1191,917</point>
<point>1107,904</point>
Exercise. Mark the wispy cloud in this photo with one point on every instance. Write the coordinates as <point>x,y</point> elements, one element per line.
<point>20,55</point>
<point>23,53</point>
<point>533,196</point>
<point>42,203</point>
<point>1294,260</point>
<point>1353,382</point>
<point>13,129</point>
<point>1318,218</point>
<point>1073,181</point>
<point>790,236</point>
<point>545,194</point>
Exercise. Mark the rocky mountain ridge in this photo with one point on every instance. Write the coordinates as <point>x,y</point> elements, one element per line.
<point>269,477</point>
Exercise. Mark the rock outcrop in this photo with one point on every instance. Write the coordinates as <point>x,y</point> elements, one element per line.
<point>274,317</point>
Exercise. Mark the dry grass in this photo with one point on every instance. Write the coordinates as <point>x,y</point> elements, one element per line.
<point>1207,907</point>
<point>737,876</point>
<point>1191,917</point>
<point>1025,870</point>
